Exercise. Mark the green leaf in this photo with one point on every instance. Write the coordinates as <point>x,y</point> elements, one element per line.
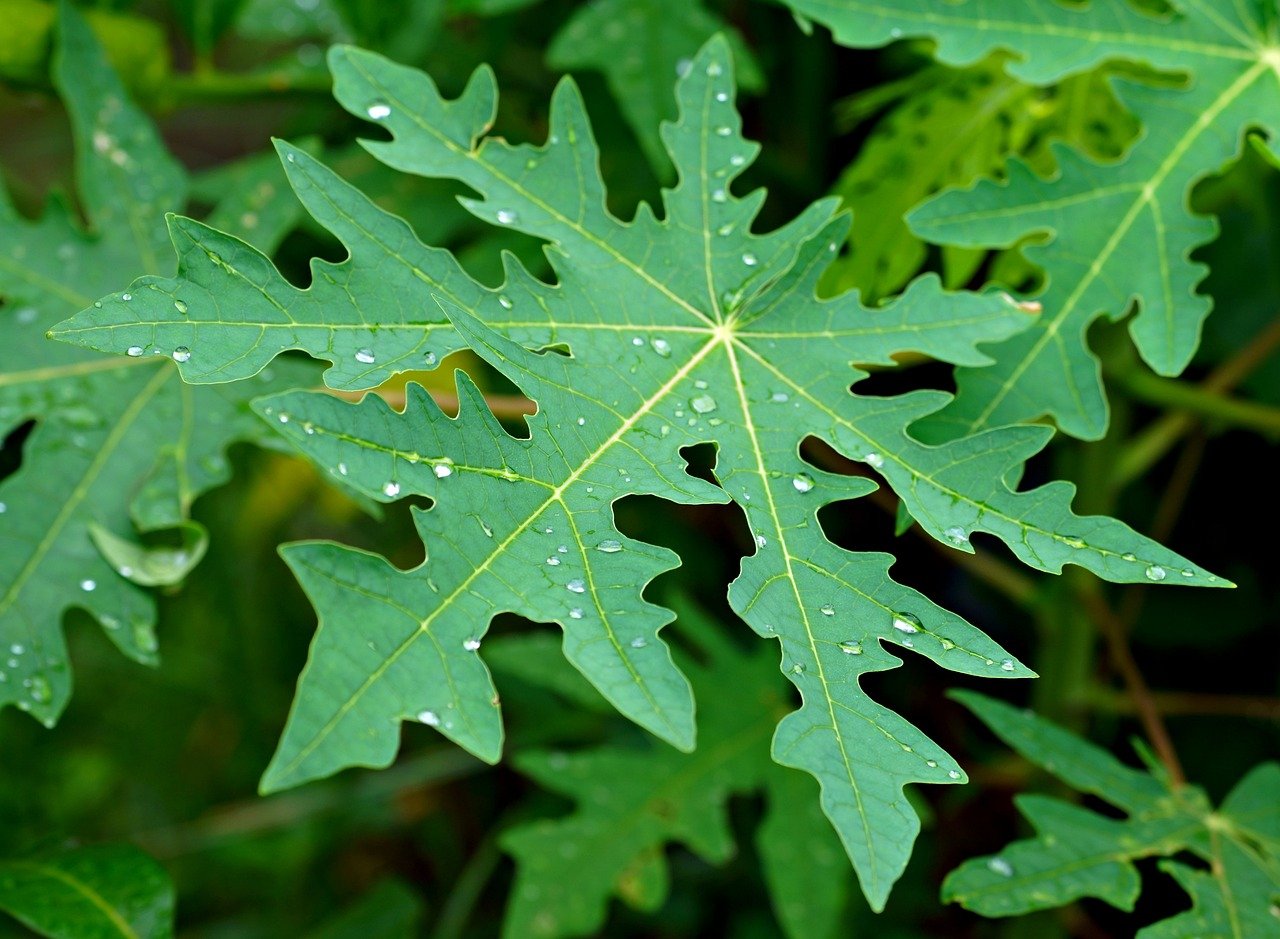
<point>1229,53</point>
<point>684,330</point>
<point>102,892</point>
<point>390,910</point>
<point>1080,853</point>
<point>120,445</point>
<point>641,46</point>
<point>953,127</point>
<point>631,801</point>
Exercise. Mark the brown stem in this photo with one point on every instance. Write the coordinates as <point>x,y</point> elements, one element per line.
<point>1116,633</point>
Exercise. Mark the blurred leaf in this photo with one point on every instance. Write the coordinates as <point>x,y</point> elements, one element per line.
<point>389,911</point>
<point>102,892</point>
<point>960,126</point>
<point>204,21</point>
<point>1080,853</point>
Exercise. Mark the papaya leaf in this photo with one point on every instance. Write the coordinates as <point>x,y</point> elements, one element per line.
<point>955,127</point>
<point>641,46</point>
<point>99,892</point>
<point>631,801</point>
<point>120,445</point>
<point>1224,57</point>
<point>682,330</point>
<point>1078,852</point>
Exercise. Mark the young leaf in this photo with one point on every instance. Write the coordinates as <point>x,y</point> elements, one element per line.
<point>1116,233</point>
<point>684,330</point>
<point>120,445</point>
<point>641,46</point>
<point>102,892</point>
<point>1080,853</point>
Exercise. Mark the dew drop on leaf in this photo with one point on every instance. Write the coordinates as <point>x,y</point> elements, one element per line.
<point>905,622</point>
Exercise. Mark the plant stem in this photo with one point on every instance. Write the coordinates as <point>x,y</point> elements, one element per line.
<point>1147,448</point>
<point>1171,393</point>
<point>1116,634</point>
<point>1186,703</point>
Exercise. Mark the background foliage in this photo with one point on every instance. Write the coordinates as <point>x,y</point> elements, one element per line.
<point>146,788</point>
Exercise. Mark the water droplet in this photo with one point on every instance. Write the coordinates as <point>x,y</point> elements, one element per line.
<point>874,459</point>
<point>1129,556</point>
<point>379,111</point>
<point>724,131</point>
<point>553,561</point>
<point>761,541</point>
<point>180,306</point>
<point>957,536</point>
<point>308,428</point>
<point>182,354</point>
<point>17,648</point>
<point>932,764</point>
<point>576,586</point>
<point>737,160</point>
<point>905,622</point>
<point>750,259</point>
<point>575,613</point>
<point>719,195</point>
<point>1073,541</point>
<point>484,527</point>
<point>507,217</point>
<point>609,546</point>
<point>126,297</point>
<point>947,645</point>
<point>133,351</point>
<point>851,647</point>
<point>283,418</point>
<point>803,482</point>
<point>471,644</point>
<point>342,469</point>
<point>430,718</point>
<point>429,359</point>
<point>953,774</point>
<point>662,347</point>
<point>797,668</point>
<point>3,508</point>
<point>40,691</point>
<point>703,404</point>
<point>827,610</point>
<point>998,865</point>
<point>1187,572</point>
<point>505,302</point>
<point>639,642</point>
<point>722,96</point>
<point>562,549</point>
<point>442,470</point>
<point>88,585</point>
<point>391,489</point>
<point>365,356</point>
<point>1156,572</point>
<point>1007,665</point>
<point>683,65</point>
<point>714,70</point>
<point>582,422</point>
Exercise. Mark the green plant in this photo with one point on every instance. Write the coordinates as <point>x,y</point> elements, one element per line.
<point>642,370</point>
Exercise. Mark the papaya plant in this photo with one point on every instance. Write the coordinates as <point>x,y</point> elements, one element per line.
<point>614,470</point>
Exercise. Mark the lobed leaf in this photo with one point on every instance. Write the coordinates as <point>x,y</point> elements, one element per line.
<point>120,446</point>
<point>1078,852</point>
<point>1225,57</point>
<point>686,329</point>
